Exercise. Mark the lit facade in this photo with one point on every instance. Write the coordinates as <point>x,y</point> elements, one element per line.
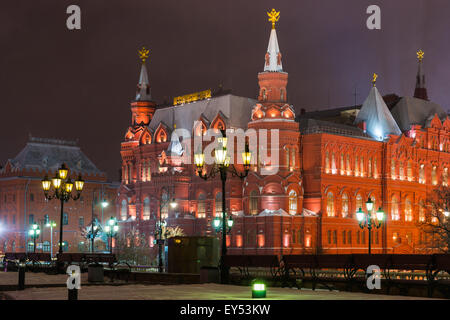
<point>329,164</point>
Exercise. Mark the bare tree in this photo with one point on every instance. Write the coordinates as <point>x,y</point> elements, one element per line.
<point>435,223</point>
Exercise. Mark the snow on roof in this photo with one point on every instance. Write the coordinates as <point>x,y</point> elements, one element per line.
<point>279,212</point>
<point>378,118</point>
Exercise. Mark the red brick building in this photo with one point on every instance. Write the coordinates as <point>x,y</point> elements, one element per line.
<point>326,165</point>
<point>22,200</point>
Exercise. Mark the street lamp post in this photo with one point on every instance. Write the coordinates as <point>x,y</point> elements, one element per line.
<point>34,233</point>
<point>111,230</point>
<point>161,224</point>
<point>366,220</point>
<point>51,224</point>
<point>222,165</point>
<point>62,185</point>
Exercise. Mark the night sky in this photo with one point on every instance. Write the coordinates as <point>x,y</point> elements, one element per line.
<point>59,83</point>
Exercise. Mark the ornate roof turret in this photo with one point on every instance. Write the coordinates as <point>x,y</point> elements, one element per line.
<point>273,55</point>
<point>143,92</point>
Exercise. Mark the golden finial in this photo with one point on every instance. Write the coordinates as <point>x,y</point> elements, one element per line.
<point>273,17</point>
<point>143,54</point>
<point>420,55</point>
<point>374,79</point>
<point>174,126</point>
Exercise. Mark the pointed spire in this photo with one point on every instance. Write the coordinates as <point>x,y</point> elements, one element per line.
<point>143,88</point>
<point>421,91</point>
<point>374,112</point>
<point>273,55</point>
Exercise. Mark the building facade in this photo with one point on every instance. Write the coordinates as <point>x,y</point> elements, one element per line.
<point>22,200</point>
<point>325,165</point>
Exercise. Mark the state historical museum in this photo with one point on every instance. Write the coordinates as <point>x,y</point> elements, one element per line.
<point>393,150</point>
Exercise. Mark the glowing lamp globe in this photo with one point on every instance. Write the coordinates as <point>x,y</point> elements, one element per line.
<point>360,215</point>
<point>216,223</point>
<point>369,204</point>
<point>56,182</point>
<point>380,214</point>
<point>79,183</point>
<point>230,222</point>
<point>46,183</point>
<point>69,186</point>
<point>63,171</point>
<point>104,204</point>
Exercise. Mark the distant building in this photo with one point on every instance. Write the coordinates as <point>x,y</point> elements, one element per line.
<point>393,150</point>
<point>22,200</point>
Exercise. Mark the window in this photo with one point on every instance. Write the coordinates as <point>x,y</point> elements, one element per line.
<point>349,237</point>
<point>422,173</point>
<point>287,157</point>
<point>253,202</point>
<point>445,177</point>
<point>81,222</point>
<point>401,172</point>
<point>395,215</point>
<point>359,201</point>
<point>330,204</point>
<point>46,246</point>
<point>13,219</point>
<point>335,237</point>
<point>292,202</point>
<point>13,246</point>
<point>293,236</point>
<point>30,246</point>
<point>356,166</point>
<point>327,162</point>
<point>81,246</point>
<point>409,171</point>
<point>408,210</point>
<point>342,167</point>
<point>362,167</point>
<point>201,206</point>
<point>46,219</point>
<point>300,236</point>
<point>333,164</point>
<point>344,234</point>
<point>123,210</point>
<point>393,176</point>
<point>31,197</point>
<point>375,170</point>
<point>369,168</point>
<point>218,204</point>
<point>421,211</point>
<point>434,179</point>
<point>146,211</point>
<point>31,219</point>
<point>65,219</point>
<point>348,165</point>
<point>344,205</point>
<point>292,157</point>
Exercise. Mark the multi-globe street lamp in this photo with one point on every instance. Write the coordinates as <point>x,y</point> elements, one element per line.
<point>51,224</point>
<point>222,165</point>
<point>62,190</point>
<point>366,220</point>
<point>34,233</point>
<point>111,230</point>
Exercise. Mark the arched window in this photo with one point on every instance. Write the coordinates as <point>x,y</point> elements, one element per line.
<point>253,206</point>
<point>408,210</point>
<point>327,162</point>
<point>348,165</point>
<point>361,167</point>
<point>218,204</point>
<point>333,164</point>
<point>394,209</point>
<point>375,169</point>
<point>344,205</point>
<point>124,210</point>
<point>422,173</point>
<point>356,166</point>
<point>287,157</point>
<point>342,166</point>
<point>292,202</point>
<point>401,173</point>
<point>201,206</point>
<point>445,177</point>
<point>421,211</point>
<point>292,157</point>
<point>393,176</point>
<point>434,179</point>
<point>330,204</point>
<point>146,213</point>
<point>409,171</point>
<point>65,219</point>
<point>359,202</point>
<point>370,168</point>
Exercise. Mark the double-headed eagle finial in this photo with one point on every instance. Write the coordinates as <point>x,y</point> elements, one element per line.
<point>143,54</point>
<point>420,54</point>
<point>274,16</point>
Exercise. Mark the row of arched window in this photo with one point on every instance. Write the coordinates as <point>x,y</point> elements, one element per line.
<point>359,166</point>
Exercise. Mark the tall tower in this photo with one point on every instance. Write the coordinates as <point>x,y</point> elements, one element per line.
<point>143,108</point>
<point>420,91</point>
<point>281,188</point>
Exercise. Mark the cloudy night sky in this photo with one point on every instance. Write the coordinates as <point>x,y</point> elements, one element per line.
<point>60,83</point>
